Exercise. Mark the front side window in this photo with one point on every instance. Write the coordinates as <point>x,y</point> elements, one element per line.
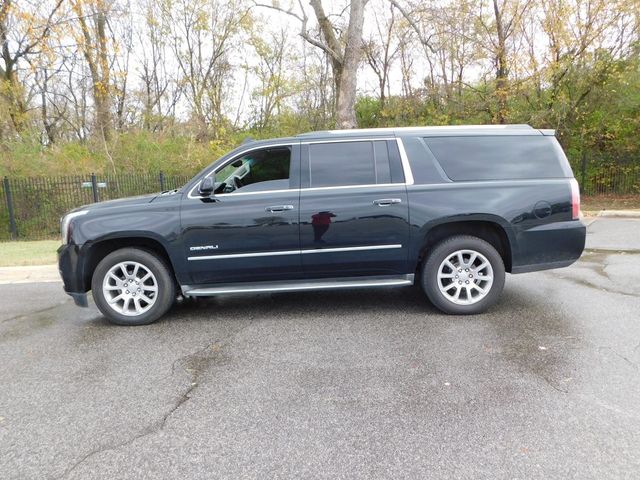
<point>257,171</point>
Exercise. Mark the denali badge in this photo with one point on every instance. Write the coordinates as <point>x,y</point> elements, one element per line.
<point>204,247</point>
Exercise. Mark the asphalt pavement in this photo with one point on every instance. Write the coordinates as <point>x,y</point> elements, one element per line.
<point>351,384</point>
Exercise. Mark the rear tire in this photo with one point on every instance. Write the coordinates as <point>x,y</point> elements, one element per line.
<point>132,286</point>
<point>463,275</point>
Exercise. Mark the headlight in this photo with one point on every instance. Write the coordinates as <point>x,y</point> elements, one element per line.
<point>66,221</point>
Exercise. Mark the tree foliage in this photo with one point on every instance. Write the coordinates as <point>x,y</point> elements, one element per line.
<point>132,85</point>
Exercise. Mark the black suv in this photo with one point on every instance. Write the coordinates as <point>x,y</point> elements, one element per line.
<point>451,208</point>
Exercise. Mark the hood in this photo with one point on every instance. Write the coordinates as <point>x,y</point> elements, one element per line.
<point>120,202</point>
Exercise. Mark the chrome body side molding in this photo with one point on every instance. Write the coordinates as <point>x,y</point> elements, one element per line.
<point>294,252</point>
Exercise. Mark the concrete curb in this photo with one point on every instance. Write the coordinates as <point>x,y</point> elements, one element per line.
<point>29,274</point>
<point>619,213</point>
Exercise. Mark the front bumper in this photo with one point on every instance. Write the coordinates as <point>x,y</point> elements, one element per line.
<point>72,273</point>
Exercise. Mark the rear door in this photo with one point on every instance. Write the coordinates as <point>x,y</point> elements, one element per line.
<point>354,214</point>
<point>248,230</point>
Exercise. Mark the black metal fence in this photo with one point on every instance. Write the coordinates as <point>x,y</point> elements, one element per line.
<point>31,207</point>
<point>611,179</point>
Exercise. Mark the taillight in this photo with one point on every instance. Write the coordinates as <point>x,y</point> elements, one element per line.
<point>575,199</point>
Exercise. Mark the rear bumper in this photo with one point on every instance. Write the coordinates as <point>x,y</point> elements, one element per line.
<point>554,245</point>
<point>70,268</point>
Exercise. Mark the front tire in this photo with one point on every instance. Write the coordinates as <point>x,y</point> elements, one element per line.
<point>132,286</point>
<point>463,275</point>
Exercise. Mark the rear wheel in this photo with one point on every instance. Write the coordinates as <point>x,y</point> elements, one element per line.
<point>132,286</point>
<point>463,275</point>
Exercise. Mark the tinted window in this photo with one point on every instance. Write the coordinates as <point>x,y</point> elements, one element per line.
<point>381,155</point>
<point>341,163</point>
<point>395,163</point>
<point>259,170</point>
<point>496,158</point>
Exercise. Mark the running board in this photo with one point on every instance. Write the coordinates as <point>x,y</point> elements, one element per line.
<point>298,285</point>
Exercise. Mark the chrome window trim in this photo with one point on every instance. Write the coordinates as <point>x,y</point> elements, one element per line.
<point>488,183</point>
<point>293,190</point>
<point>234,158</point>
<point>310,189</point>
<point>408,175</point>
<point>344,187</point>
<point>406,167</point>
<point>295,252</point>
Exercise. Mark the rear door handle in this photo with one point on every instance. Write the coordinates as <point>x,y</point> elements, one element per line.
<point>279,208</point>
<point>385,202</point>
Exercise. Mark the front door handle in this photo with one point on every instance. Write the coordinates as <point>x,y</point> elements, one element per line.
<point>279,208</point>
<point>385,202</point>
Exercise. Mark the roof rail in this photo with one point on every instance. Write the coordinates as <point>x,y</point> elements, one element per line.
<point>521,126</point>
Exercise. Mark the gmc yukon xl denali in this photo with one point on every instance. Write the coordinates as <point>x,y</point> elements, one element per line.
<point>449,208</point>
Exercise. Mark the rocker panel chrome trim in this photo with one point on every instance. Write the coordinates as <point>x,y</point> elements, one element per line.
<point>299,285</point>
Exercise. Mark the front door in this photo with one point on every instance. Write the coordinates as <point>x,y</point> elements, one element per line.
<point>354,216</point>
<point>248,230</point>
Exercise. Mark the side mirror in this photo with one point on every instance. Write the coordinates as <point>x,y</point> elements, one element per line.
<point>207,186</point>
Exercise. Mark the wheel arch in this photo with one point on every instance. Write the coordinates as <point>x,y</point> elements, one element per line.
<point>95,251</point>
<point>490,228</point>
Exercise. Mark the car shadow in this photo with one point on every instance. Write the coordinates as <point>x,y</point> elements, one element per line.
<point>328,302</point>
<point>524,332</point>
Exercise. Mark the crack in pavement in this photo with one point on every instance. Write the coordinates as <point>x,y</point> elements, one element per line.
<point>598,266</point>
<point>196,363</point>
<point>619,355</point>
<point>551,384</point>
<point>587,284</point>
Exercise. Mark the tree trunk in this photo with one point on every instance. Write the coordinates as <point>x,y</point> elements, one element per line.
<point>10,86</point>
<point>501,67</point>
<point>103,112</point>
<point>48,125</point>
<point>346,94</point>
<point>102,95</point>
<point>95,50</point>
<point>14,94</point>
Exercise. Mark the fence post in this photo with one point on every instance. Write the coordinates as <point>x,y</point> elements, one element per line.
<point>12,216</point>
<point>94,187</point>
<point>162,189</point>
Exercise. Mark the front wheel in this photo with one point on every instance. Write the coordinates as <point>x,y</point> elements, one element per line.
<point>463,275</point>
<point>132,286</point>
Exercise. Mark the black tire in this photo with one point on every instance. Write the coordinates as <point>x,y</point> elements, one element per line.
<point>442,251</point>
<point>164,297</point>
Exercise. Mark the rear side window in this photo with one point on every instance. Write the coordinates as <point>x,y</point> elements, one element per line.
<point>496,158</point>
<point>350,163</point>
<point>381,156</point>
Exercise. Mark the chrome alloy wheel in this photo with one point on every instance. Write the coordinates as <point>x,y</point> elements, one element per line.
<point>130,288</point>
<point>465,277</point>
